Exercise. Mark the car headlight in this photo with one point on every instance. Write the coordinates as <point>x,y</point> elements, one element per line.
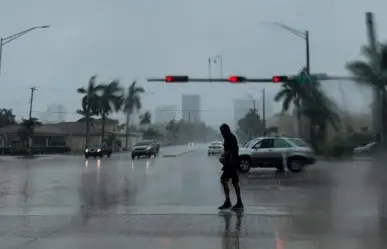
<point>99,150</point>
<point>87,150</point>
<point>148,148</point>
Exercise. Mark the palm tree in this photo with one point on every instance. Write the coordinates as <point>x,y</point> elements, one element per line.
<point>311,101</point>
<point>110,99</point>
<point>364,74</point>
<point>89,103</point>
<point>146,119</point>
<point>27,131</point>
<point>173,128</point>
<point>132,102</point>
<point>7,117</point>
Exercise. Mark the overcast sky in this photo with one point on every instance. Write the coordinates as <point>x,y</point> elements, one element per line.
<point>135,39</point>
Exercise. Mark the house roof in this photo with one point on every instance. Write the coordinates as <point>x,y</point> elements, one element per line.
<point>45,129</point>
<point>63,128</point>
<point>77,128</point>
<point>99,120</point>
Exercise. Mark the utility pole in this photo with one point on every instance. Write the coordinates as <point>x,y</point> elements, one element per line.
<point>209,69</point>
<point>377,114</point>
<point>33,89</point>
<point>307,47</point>
<point>264,110</point>
<point>1,51</point>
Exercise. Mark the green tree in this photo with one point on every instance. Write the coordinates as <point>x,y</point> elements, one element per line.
<point>250,125</point>
<point>6,117</point>
<point>89,103</point>
<point>146,119</point>
<point>27,131</point>
<point>172,129</point>
<point>110,99</point>
<point>365,75</point>
<point>132,102</point>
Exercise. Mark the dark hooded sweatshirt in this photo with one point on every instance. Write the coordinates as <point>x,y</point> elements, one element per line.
<point>231,149</point>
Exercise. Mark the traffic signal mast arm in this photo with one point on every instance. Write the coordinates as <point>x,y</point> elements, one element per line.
<point>242,80</point>
<point>206,80</point>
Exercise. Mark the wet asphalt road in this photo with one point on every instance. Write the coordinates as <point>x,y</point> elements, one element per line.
<point>171,202</point>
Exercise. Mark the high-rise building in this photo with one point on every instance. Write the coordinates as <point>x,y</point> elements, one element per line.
<point>190,108</point>
<point>165,113</point>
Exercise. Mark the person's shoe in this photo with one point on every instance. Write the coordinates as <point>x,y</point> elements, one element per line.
<point>226,205</point>
<point>237,206</point>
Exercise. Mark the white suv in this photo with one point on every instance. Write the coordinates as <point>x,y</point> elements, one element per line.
<point>269,152</point>
<point>215,148</point>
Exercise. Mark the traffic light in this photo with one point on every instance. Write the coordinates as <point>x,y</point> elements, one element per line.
<point>176,79</point>
<point>277,79</point>
<point>236,79</point>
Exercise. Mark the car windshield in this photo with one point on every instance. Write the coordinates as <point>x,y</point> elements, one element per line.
<point>95,146</point>
<point>250,143</point>
<point>144,143</point>
<point>298,142</point>
<point>216,143</point>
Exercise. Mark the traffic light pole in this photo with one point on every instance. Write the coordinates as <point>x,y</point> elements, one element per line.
<point>378,102</point>
<point>307,52</point>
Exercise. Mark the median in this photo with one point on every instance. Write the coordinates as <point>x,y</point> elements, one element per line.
<point>178,153</point>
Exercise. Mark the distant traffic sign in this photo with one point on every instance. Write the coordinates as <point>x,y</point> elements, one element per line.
<point>310,78</point>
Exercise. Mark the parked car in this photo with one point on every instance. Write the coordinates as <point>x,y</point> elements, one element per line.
<point>98,150</point>
<point>215,148</point>
<point>277,152</point>
<point>147,148</point>
<point>365,149</point>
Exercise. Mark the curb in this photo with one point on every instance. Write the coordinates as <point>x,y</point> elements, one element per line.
<point>179,154</point>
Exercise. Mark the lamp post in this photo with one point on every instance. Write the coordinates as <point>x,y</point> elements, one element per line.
<point>304,35</point>
<point>13,37</point>
<point>219,59</point>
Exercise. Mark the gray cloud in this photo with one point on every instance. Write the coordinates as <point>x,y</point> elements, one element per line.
<point>135,39</point>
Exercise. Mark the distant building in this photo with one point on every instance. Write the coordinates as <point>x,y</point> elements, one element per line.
<point>190,108</point>
<point>165,113</point>
<point>242,107</point>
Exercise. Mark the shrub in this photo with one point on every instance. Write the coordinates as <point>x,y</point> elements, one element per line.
<point>40,150</point>
<point>338,147</point>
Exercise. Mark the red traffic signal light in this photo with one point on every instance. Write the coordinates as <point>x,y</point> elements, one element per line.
<point>277,79</point>
<point>172,79</point>
<point>236,79</point>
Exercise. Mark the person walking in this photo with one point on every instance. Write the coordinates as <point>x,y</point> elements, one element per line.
<point>230,168</point>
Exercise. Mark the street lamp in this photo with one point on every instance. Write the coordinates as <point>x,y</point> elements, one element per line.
<point>304,35</point>
<point>10,38</point>
<point>219,58</point>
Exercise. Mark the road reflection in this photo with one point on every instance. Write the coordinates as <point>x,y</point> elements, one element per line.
<point>230,238</point>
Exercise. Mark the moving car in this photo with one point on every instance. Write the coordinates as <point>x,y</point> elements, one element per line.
<point>215,148</point>
<point>98,150</point>
<point>365,149</point>
<point>277,152</point>
<point>147,148</point>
